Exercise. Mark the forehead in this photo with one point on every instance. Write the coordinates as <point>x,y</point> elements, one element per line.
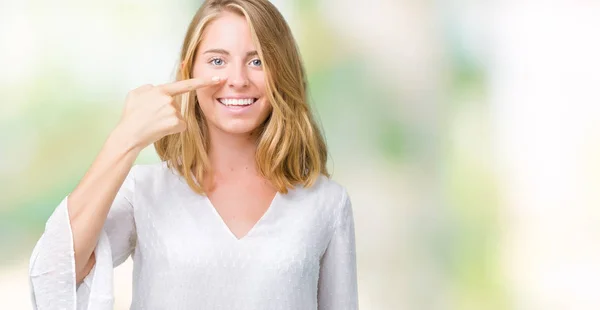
<point>228,31</point>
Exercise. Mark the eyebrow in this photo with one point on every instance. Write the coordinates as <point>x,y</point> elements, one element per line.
<point>224,52</point>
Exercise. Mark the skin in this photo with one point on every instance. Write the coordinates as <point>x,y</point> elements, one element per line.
<point>227,51</point>
<point>150,113</point>
<point>237,191</point>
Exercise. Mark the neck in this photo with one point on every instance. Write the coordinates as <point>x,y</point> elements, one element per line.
<point>231,154</point>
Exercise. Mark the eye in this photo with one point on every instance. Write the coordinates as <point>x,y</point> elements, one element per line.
<point>256,62</point>
<point>216,61</point>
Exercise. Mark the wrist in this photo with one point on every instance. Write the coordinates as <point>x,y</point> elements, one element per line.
<point>121,139</point>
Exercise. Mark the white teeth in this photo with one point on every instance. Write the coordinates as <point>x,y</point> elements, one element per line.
<point>237,102</point>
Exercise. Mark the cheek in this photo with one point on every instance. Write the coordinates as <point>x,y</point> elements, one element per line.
<point>204,98</point>
<point>258,80</point>
<point>199,72</point>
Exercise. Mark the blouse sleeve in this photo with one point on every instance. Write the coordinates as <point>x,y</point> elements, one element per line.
<point>337,278</point>
<point>52,264</point>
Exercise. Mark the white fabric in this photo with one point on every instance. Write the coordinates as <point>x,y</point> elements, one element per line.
<point>299,255</point>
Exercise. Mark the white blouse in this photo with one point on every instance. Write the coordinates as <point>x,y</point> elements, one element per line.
<point>299,255</point>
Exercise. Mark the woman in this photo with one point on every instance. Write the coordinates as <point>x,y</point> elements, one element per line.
<point>240,213</point>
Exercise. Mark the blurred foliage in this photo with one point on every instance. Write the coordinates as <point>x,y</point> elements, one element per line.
<point>62,124</point>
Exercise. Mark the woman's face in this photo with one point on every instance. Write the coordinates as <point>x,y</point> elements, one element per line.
<point>237,106</point>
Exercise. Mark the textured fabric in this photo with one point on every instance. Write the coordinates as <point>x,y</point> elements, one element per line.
<point>299,255</point>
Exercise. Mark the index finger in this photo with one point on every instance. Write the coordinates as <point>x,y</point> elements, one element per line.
<point>184,86</point>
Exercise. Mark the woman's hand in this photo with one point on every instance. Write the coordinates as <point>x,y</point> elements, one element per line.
<point>151,112</point>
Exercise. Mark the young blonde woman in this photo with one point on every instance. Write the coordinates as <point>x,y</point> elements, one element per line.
<point>240,213</point>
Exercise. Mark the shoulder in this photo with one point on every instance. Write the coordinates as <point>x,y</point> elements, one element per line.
<point>153,175</point>
<point>146,170</point>
<point>326,186</point>
<point>155,182</point>
<point>328,201</point>
<point>328,192</point>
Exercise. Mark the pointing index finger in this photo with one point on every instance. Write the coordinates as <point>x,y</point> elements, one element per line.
<point>184,86</point>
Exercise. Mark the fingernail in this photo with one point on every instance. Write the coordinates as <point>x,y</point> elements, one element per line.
<point>216,78</point>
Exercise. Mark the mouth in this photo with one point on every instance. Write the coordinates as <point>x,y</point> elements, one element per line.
<point>237,102</point>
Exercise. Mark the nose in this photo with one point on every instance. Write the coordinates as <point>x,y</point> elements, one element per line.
<point>238,77</point>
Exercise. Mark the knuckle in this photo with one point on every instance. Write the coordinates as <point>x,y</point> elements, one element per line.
<point>173,113</point>
<point>142,88</point>
<point>172,109</point>
<point>165,100</point>
<point>174,122</point>
<point>155,91</point>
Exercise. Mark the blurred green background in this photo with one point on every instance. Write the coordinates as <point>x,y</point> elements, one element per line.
<point>466,133</point>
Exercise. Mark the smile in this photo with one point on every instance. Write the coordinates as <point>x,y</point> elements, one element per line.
<point>237,102</point>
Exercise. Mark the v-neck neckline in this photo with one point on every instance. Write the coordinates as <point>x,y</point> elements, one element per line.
<point>253,228</point>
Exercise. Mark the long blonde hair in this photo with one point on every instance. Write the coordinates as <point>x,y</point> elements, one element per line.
<point>290,148</point>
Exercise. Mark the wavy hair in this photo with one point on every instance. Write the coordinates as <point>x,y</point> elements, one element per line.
<point>290,147</point>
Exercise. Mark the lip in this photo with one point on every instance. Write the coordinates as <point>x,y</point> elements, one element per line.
<point>237,97</point>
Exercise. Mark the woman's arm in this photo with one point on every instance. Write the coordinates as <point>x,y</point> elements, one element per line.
<point>55,280</point>
<point>150,113</point>
<point>338,287</point>
<point>90,201</point>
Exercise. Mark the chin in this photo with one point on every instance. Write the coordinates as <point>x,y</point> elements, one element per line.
<point>238,127</point>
